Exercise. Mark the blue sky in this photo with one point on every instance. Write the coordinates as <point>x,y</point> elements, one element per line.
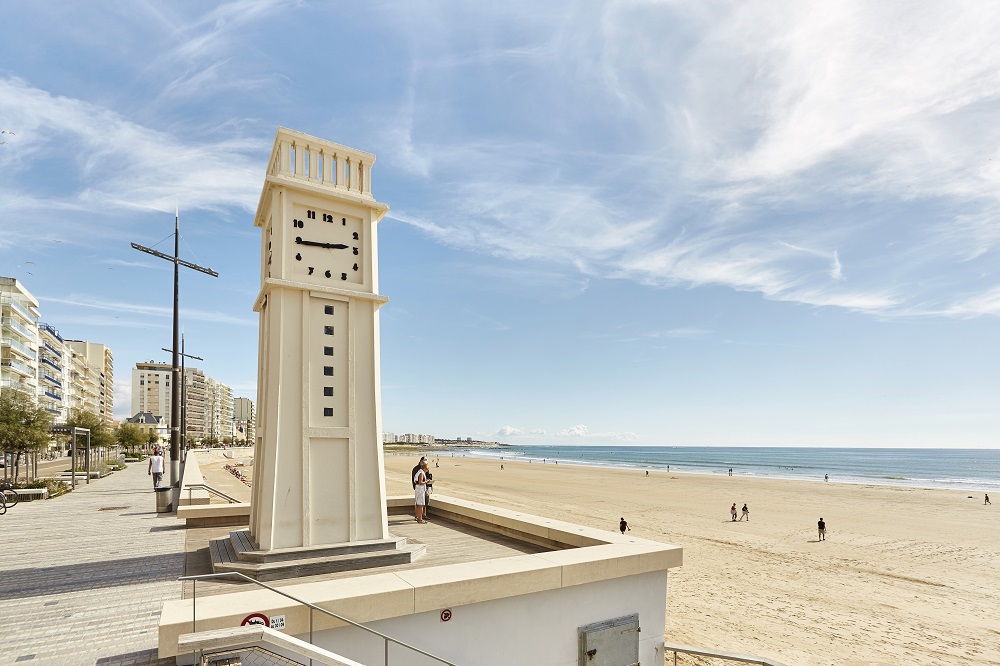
<point>679,223</point>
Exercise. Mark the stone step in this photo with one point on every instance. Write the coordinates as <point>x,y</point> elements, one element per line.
<point>225,558</point>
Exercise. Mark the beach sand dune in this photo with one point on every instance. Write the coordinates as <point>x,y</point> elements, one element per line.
<point>906,576</point>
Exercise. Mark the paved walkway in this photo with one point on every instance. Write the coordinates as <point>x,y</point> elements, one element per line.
<point>83,576</point>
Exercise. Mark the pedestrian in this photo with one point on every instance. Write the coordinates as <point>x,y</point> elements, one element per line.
<point>822,529</point>
<point>623,525</point>
<point>746,513</point>
<point>155,468</point>
<point>501,466</point>
<point>732,511</point>
<point>826,477</point>
<point>416,468</point>
<point>987,500</point>
<point>647,472</point>
<point>420,491</point>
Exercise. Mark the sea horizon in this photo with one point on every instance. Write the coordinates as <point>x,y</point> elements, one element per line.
<point>973,470</point>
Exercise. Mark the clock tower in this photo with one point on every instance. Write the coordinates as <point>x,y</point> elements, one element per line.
<point>318,475</point>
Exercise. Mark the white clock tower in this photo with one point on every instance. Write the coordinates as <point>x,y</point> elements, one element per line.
<point>318,476</point>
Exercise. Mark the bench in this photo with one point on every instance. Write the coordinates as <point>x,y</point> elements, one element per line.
<point>29,494</point>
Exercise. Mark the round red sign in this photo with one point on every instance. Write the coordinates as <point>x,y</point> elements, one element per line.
<point>256,619</point>
<point>446,615</point>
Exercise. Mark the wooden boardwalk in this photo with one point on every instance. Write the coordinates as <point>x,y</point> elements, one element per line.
<point>447,543</point>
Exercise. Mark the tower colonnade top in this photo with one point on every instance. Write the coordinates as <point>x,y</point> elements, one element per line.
<point>319,162</point>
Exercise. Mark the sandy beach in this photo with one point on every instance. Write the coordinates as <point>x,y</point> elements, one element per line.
<point>906,576</point>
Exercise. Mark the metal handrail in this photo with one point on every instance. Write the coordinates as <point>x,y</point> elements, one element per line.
<point>718,654</point>
<point>387,639</point>
<point>190,486</point>
<point>274,656</point>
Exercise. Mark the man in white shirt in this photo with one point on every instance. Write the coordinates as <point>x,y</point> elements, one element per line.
<point>156,467</point>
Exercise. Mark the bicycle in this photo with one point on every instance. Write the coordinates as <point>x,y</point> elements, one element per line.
<point>8,495</point>
<point>3,505</point>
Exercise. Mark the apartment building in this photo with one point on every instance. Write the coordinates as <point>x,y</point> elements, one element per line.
<point>408,438</point>
<point>244,420</point>
<point>18,337</point>
<point>35,358</point>
<point>101,361</point>
<point>209,402</point>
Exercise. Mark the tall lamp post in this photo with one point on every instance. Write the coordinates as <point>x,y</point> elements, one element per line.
<point>184,406</point>
<point>175,434</point>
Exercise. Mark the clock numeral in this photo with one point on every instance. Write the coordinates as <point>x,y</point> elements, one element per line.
<point>311,214</point>
<point>355,250</point>
<point>355,267</point>
<point>311,270</point>
<point>343,221</point>
<point>298,224</point>
<point>327,217</point>
<point>298,257</point>
<point>356,236</point>
<point>343,276</point>
<point>328,273</point>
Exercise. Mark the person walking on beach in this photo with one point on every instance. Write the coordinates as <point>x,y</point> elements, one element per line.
<point>826,477</point>
<point>987,500</point>
<point>420,491</point>
<point>155,468</point>
<point>623,525</point>
<point>732,511</point>
<point>746,513</point>
<point>822,529</point>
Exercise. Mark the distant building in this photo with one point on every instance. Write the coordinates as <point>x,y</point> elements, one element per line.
<point>408,438</point>
<point>101,360</point>
<point>244,420</point>
<point>147,423</point>
<point>209,402</point>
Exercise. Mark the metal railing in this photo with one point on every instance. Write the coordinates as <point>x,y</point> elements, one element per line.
<point>717,654</point>
<point>15,345</point>
<point>11,323</point>
<point>229,499</point>
<point>386,639</point>
<point>14,304</point>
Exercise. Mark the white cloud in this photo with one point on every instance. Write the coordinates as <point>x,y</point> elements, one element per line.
<point>573,431</point>
<point>508,431</point>
<point>149,310</point>
<point>790,149</point>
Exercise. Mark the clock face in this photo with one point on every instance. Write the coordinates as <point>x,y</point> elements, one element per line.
<point>325,247</point>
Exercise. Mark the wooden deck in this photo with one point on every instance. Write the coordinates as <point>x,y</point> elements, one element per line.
<point>447,543</point>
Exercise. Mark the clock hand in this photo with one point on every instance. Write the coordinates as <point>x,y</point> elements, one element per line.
<point>333,246</point>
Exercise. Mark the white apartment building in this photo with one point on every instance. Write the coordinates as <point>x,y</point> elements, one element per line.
<point>18,337</point>
<point>209,402</point>
<point>36,359</point>
<point>101,361</point>
<point>408,438</point>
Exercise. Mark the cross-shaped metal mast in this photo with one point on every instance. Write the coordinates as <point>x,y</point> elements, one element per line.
<point>175,438</point>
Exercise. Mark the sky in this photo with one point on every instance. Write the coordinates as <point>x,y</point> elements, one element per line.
<point>653,223</point>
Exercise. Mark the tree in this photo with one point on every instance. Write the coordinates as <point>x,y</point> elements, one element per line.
<point>209,441</point>
<point>100,437</point>
<point>130,436</point>
<point>24,426</point>
<point>153,438</point>
<point>227,441</point>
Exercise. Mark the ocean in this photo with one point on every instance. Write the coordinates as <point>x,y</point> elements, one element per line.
<point>974,470</point>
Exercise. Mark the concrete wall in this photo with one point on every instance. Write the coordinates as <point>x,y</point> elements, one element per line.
<point>538,629</point>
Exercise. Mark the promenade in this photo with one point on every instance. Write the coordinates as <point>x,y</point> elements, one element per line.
<point>82,576</point>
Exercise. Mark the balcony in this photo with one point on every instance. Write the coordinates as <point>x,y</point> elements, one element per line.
<point>15,306</point>
<point>17,347</point>
<point>17,385</point>
<point>53,350</point>
<point>51,331</point>
<point>51,363</point>
<point>54,396</point>
<point>18,367</point>
<point>15,325</point>
<point>53,380</point>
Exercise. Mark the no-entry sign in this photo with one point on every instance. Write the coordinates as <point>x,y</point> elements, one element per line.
<point>256,619</point>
